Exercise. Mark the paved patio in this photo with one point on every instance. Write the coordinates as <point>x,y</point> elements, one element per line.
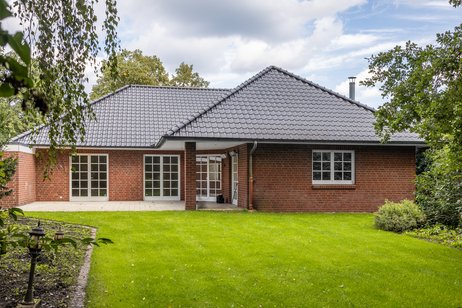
<point>95,206</point>
<point>118,206</point>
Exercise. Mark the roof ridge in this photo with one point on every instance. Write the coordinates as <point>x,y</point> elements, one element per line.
<point>196,116</point>
<point>324,88</point>
<point>178,87</point>
<point>30,131</point>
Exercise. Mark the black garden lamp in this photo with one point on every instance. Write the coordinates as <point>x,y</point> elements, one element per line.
<point>59,235</point>
<point>35,248</point>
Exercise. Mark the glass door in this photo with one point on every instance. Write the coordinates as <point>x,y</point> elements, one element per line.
<point>89,180</point>
<point>208,177</point>
<point>161,177</point>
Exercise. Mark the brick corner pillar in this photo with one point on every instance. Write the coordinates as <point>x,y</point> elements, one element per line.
<point>190,175</point>
<point>243,176</point>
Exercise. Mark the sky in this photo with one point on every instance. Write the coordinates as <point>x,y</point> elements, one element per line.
<point>325,41</point>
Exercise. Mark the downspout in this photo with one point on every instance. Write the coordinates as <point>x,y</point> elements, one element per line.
<point>254,147</point>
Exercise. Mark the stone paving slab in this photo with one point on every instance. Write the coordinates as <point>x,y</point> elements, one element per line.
<point>110,206</point>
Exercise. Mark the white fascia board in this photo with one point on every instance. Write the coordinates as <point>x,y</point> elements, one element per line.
<point>18,148</point>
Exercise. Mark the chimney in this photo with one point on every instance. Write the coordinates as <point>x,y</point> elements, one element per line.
<point>352,87</point>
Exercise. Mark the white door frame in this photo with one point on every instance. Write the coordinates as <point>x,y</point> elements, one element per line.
<point>161,172</point>
<point>208,197</point>
<point>89,197</point>
<point>234,179</point>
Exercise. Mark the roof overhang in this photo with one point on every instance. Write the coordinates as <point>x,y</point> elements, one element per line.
<point>169,142</point>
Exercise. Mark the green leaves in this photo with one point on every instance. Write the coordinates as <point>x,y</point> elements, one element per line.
<point>16,43</point>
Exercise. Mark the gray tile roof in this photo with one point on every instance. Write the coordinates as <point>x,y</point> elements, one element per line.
<point>137,116</point>
<point>276,105</point>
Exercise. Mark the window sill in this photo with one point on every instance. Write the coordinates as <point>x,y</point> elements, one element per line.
<point>334,186</point>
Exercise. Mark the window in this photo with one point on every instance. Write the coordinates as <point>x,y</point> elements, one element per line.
<point>208,177</point>
<point>89,180</point>
<point>333,167</point>
<point>161,177</point>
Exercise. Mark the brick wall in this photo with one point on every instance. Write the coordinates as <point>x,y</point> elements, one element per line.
<point>190,175</point>
<point>23,182</point>
<point>282,175</point>
<point>125,175</point>
<point>243,176</point>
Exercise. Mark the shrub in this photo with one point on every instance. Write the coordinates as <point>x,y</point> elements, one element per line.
<point>399,217</point>
<point>439,188</point>
<point>440,234</point>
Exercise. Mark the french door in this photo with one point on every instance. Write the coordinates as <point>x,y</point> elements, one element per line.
<point>89,179</point>
<point>208,177</point>
<point>234,178</point>
<point>161,177</point>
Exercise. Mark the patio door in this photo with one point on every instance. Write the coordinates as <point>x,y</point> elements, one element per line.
<point>161,177</point>
<point>234,178</point>
<point>208,177</point>
<point>89,180</point>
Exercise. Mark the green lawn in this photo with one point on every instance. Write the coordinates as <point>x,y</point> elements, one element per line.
<point>210,259</point>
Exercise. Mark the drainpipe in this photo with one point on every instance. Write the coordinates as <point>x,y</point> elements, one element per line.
<point>254,147</point>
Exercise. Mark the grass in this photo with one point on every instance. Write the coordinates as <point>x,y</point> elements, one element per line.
<point>212,259</point>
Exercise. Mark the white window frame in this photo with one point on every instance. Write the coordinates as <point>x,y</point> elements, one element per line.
<point>332,181</point>
<point>89,198</point>
<point>167,198</point>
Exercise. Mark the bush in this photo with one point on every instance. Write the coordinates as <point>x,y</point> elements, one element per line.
<point>440,234</point>
<point>399,217</point>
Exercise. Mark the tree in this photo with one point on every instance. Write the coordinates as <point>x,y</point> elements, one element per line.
<point>423,88</point>
<point>63,40</point>
<point>185,77</point>
<point>133,68</point>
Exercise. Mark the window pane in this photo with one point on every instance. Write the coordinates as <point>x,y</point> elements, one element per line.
<point>148,184</point>
<point>83,159</point>
<point>75,167</point>
<point>94,159</point>
<point>102,192</point>
<point>338,166</point>
<point>317,176</point>
<point>174,168</point>
<point>83,184</point>
<point>148,168</point>
<point>325,156</point>
<point>166,159</point>
<point>102,184</point>
<point>156,192</point>
<point>94,192</point>
<point>84,193</point>
<point>326,176</point>
<point>166,168</point>
<point>347,156</point>
<point>326,166</point>
<point>347,176</point>
<point>75,176</point>
<point>94,167</point>
<point>175,192</point>
<point>156,159</point>
<point>174,160</point>
<point>338,156</point>
<point>174,176</point>
<point>148,159</point>
<point>102,159</point>
<point>157,168</point>
<point>317,166</point>
<point>337,176</point>
<point>148,192</point>
<point>347,166</point>
<point>174,184</point>
<point>102,167</point>
<point>148,176</point>
<point>75,193</point>
<point>156,184</point>
<point>316,156</point>
<point>75,159</point>
<point>84,168</point>
<point>166,184</point>
<point>94,175</point>
<point>166,176</point>
<point>166,192</point>
<point>83,176</point>
<point>156,176</point>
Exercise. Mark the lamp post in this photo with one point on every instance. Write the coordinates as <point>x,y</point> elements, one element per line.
<point>35,248</point>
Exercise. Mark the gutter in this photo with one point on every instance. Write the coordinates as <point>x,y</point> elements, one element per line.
<point>254,147</point>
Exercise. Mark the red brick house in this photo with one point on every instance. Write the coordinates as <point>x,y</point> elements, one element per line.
<point>277,142</point>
